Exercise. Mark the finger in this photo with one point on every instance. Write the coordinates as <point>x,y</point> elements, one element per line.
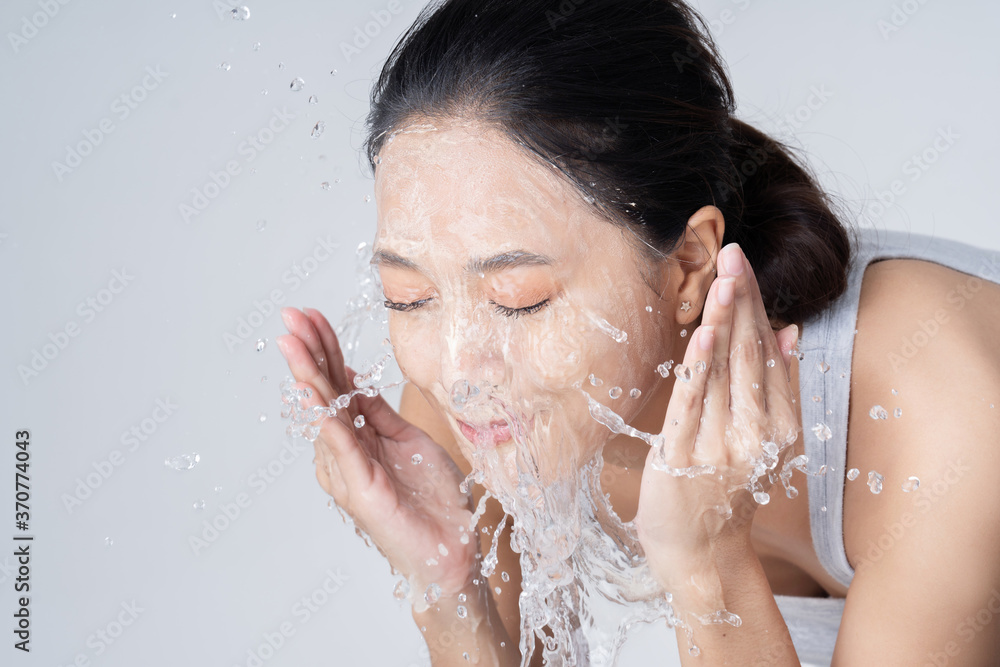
<point>338,437</point>
<point>382,417</point>
<point>328,474</point>
<point>331,347</point>
<point>774,377</point>
<point>300,326</point>
<point>788,339</point>
<point>718,313</point>
<point>778,411</point>
<point>303,366</point>
<point>680,426</point>
<point>746,366</point>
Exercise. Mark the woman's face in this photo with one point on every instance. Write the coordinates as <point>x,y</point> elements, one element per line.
<point>510,296</point>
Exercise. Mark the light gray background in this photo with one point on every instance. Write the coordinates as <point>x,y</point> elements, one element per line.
<point>886,96</point>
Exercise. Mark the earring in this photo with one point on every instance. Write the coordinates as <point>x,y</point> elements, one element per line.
<point>685,306</point>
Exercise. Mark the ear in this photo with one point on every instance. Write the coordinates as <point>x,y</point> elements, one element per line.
<point>696,261</point>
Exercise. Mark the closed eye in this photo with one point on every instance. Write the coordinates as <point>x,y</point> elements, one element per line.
<point>517,312</point>
<point>405,307</point>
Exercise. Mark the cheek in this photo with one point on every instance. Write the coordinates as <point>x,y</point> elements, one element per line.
<point>415,349</point>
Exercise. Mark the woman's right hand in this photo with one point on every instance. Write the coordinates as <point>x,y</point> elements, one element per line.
<point>414,512</point>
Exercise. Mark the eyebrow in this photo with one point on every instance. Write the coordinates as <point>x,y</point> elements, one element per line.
<point>500,262</point>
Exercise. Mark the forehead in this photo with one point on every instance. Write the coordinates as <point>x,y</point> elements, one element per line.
<point>464,186</point>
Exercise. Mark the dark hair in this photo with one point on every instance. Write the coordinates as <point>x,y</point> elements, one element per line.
<point>631,101</point>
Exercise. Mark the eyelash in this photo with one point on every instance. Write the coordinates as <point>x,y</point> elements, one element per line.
<point>405,307</point>
<point>517,312</point>
<point>503,310</point>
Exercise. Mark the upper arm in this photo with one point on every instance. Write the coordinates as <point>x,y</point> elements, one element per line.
<point>926,588</point>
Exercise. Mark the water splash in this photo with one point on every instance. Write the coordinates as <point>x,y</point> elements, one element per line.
<point>183,462</point>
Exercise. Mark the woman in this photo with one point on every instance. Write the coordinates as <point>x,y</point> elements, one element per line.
<point>565,206</point>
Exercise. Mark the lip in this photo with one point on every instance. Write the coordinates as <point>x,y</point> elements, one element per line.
<point>486,436</point>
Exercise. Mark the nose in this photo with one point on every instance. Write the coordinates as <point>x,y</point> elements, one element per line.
<point>472,348</point>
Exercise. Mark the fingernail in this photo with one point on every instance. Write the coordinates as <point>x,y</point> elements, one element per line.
<point>707,337</point>
<point>727,288</point>
<point>286,316</point>
<point>733,259</point>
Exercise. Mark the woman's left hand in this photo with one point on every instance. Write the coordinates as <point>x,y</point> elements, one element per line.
<point>738,398</point>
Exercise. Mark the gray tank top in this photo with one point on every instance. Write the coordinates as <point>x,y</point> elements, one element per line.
<point>828,339</point>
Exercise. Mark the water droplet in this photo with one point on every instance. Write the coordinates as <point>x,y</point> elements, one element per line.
<point>225,67</point>
<point>325,185</point>
<point>684,332</point>
<point>218,489</point>
<point>281,66</point>
<point>615,392</point>
<point>792,492</point>
<point>359,421</point>
<point>761,497</point>
<point>462,392</point>
<point>895,392</point>
<point>173,16</point>
<point>416,459</point>
<point>878,412</point>
<point>822,431</point>
<point>770,363</point>
<point>649,309</point>
<point>875,482</point>
<point>432,594</point>
<point>462,597</point>
<point>497,590</point>
<point>817,399</point>
<point>333,72</point>
<point>897,413</point>
<point>261,344</point>
<point>504,577</point>
<point>911,484</point>
<point>263,378</point>
<point>317,130</point>
<point>183,462</point>
<point>664,368</point>
<point>823,508</point>
<point>198,504</point>
<point>594,380</point>
<point>263,91</point>
<point>368,198</point>
<point>755,385</point>
<point>296,84</point>
<point>682,372</point>
<point>822,367</point>
<point>262,418</point>
<point>108,541</point>
<point>401,590</point>
<point>329,503</point>
<point>853,473</point>
<point>256,46</point>
<point>700,366</point>
<point>694,651</point>
<point>241,13</point>
<point>313,99</point>
<point>462,613</point>
<point>635,393</point>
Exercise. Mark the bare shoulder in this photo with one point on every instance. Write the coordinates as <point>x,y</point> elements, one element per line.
<point>925,558</point>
